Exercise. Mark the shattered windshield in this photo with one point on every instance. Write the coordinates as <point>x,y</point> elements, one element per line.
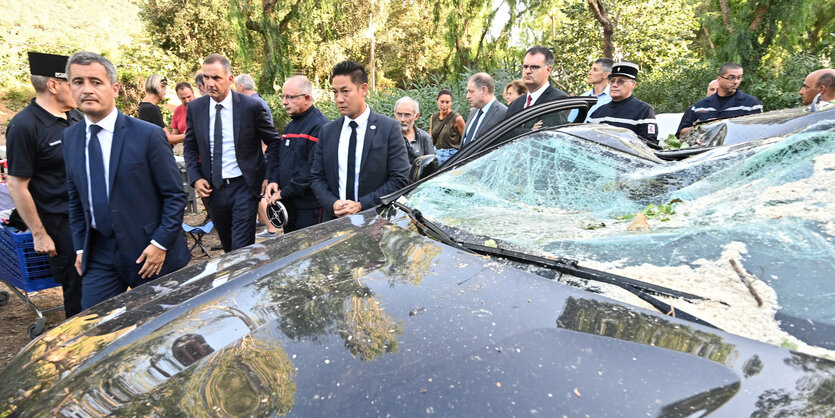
<point>749,227</point>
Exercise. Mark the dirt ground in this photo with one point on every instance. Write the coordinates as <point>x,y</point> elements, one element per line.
<point>16,316</point>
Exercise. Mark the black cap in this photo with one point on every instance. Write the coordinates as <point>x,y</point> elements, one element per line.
<point>625,69</point>
<point>48,65</point>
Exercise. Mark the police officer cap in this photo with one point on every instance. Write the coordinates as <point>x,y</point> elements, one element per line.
<point>625,69</point>
<point>48,65</point>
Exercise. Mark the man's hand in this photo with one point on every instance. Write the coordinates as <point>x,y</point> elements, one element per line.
<point>202,188</point>
<point>153,258</point>
<point>78,263</point>
<point>271,191</point>
<point>264,186</point>
<point>346,207</point>
<point>536,126</point>
<point>43,244</point>
<point>684,131</point>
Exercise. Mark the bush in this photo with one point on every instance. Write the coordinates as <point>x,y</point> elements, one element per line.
<point>17,98</point>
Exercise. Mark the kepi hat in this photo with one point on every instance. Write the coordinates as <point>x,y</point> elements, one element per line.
<point>625,69</point>
<point>48,65</point>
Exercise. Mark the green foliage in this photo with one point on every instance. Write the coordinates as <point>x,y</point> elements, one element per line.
<point>776,84</point>
<point>17,98</point>
<point>678,87</point>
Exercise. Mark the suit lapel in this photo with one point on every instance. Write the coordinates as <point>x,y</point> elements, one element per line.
<point>82,167</point>
<point>116,148</point>
<point>236,116</point>
<point>333,150</point>
<point>370,131</point>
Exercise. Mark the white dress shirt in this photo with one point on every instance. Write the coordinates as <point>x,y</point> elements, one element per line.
<point>535,95</point>
<point>108,125</point>
<point>342,154</point>
<point>230,167</point>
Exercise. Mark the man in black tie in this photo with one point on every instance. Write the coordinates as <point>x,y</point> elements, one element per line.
<point>361,156</point>
<point>222,149</point>
<point>126,198</point>
<point>487,112</point>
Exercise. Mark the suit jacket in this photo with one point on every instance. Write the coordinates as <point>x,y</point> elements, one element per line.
<point>494,115</point>
<point>251,125</point>
<point>147,199</point>
<point>384,167</point>
<point>550,94</point>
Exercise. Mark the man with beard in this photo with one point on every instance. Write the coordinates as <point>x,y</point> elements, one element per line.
<point>728,101</point>
<point>290,169</point>
<point>418,141</point>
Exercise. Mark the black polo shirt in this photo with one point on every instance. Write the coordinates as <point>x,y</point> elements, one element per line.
<point>33,151</point>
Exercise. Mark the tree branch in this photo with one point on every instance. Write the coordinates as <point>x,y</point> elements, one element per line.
<point>600,13</point>
<point>762,9</point>
<point>723,4</point>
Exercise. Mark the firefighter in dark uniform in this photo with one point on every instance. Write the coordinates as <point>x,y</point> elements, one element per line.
<point>624,110</point>
<point>37,179</point>
<point>727,102</point>
<point>290,172</point>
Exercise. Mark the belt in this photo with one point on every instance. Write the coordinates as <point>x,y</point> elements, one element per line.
<point>231,180</point>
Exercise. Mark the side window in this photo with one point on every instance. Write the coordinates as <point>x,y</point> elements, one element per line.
<point>547,120</point>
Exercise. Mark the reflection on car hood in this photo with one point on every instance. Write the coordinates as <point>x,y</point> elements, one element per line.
<point>362,316</point>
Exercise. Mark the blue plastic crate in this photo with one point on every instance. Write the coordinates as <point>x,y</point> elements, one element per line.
<point>20,265</point>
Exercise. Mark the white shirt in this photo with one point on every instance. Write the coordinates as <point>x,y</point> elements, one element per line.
<point>230,167</point>
<point>535,95</point>
<point>108,126</point>
<point>484,110</point>
<point>342,154</point>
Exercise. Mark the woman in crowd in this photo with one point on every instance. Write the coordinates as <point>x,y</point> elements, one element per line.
<point>446,127</point>
<point>149,111</point>
<point>513,90</point>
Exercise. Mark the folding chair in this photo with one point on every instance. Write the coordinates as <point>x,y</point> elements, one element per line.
<point>197,233</point>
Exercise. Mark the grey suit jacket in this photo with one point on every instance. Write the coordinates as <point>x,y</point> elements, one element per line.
<point>494,115</point>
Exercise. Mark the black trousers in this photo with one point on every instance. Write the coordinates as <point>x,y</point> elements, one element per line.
<point>300,218</point>
<point>233,209</point>
<point>63,265</point>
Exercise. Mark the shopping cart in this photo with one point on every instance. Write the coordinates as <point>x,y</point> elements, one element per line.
<point>23,271</point>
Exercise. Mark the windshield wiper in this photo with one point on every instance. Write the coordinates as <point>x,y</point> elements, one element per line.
<point>562,265</point>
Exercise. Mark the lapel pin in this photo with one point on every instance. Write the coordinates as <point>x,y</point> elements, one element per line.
<point>373,127</point>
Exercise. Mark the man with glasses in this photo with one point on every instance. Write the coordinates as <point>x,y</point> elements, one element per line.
<point>37,178</point>
<point>418,142</point>
<point>290,169</point>
<point>624,110</point>
<point>728,101</point>
<point>536,67</point>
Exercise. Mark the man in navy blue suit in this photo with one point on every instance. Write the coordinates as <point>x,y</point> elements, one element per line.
<point>222,149</point>
<point>361,156</point>
<point>126,198</point>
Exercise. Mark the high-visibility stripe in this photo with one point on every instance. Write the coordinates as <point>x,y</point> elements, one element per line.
<point>744,108</point>
<point>622,120</point>
<point>703,109</point>
<point>306,136</point>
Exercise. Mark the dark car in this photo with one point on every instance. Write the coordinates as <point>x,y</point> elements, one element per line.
<point>474,293</point>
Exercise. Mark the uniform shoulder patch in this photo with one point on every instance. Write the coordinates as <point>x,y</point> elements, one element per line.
<point>651,128</point>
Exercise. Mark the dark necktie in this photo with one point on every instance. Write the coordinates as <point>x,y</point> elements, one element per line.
<point>352,163</point>
<point>98,184</point>
<point>471,131</point>
<point>217,150</point>
<point>528,103</point>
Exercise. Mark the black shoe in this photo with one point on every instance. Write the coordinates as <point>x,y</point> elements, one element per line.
<point>216,247</point>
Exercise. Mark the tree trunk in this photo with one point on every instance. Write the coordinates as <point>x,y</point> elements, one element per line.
<point>602,16</point>
<point>723,4</point>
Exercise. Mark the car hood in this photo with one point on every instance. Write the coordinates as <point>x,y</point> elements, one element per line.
<point>363,316</point>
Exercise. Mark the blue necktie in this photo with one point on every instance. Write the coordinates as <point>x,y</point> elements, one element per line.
<point>471,131</point>
<point>98,184</point>
<point>352,163</point>
<point>217,150</point>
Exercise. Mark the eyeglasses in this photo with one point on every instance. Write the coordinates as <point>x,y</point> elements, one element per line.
<point>524,67</point>
<point>618,81</point>
<point>291,96</point>
<point>163,82</point>
<point>732,78</point>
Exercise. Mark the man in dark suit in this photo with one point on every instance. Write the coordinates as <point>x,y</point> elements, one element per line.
<point>487,112</point>
<point>536,68</point>
<point>126,198</point>
<point>361,156</point>
<point>223,153</point>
